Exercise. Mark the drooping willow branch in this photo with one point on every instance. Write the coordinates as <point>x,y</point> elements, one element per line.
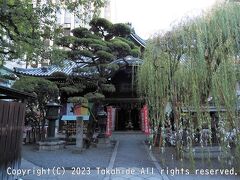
<point>193,66</point>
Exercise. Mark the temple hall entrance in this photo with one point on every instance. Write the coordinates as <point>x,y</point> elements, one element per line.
<point>127,116</point>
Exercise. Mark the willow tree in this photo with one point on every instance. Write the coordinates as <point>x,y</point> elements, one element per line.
<point>190,65</point>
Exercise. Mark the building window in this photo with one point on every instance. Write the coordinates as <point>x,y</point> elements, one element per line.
<point>67,17</point>
<point>66,31</point>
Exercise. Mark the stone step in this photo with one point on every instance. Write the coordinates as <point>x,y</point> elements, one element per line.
<point>205,152</point>
<point>51,145</point>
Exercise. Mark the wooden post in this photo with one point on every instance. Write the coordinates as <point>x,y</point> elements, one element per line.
<point>79,133</point>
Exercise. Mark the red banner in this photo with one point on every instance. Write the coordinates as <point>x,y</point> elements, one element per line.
<point>109,121</point>
<point>146,126</point>
<point>142,120</point>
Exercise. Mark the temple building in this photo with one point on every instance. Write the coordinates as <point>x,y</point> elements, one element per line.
<point>125,100</point>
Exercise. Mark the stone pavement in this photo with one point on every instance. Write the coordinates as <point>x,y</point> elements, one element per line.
<point>130,159</point>
<point>68,158</point>
<point>133,157</point>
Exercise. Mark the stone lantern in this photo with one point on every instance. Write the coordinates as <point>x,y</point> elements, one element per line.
<point>51,143</point>
<point>102,120</point>
<point>52,114</point>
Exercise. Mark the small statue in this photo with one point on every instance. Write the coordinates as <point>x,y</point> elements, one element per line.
<point>129,125</point>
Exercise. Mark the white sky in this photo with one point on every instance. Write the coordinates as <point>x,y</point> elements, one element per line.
<point>151,16</point>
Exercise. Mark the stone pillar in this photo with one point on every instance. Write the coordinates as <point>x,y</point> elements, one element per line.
<point>79,133</point>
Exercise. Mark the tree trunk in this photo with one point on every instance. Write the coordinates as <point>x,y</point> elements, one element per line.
<point>176,115</point>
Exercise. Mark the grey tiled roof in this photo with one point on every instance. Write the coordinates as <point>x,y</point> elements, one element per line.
<point>69,66</point>
<point>138,40</point>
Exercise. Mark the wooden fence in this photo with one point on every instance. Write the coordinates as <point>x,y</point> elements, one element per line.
<point>12,116</point>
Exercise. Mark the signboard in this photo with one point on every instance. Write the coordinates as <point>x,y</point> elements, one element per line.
<point>76,112</point>
<point>81,109</point>
<point>74,118</point>
<point>109,121</point>
<point>70,109</point>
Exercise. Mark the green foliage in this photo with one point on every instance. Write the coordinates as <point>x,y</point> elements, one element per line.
<point>100,25</point>
<point>65,41</point>
<point>8,76</point>
<point>186,66</point>
<point>20,27</point>
<point>56,56</point>
<point>108,88</point>
<point>92,96</point>
<point>120,48</point>
<point>106,56</point>
<point>238,72</point>
<point>102,35</point>
<point>24,28</point>
<point>130,43</point>
<point>81,32</point>
<point>121,30</point>
<point>59,74</point>
<point>136,52</point>
<point>69,90</point>
<point>98,46</point>
<point>77,100</point>
<point>76,54</point>
<point>112,67</point>
<point>45,91</point>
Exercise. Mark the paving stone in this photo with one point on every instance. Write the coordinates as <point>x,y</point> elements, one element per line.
<point>131,155</point>
<point>118,178</point>
<point>137,178</point>
<point>93,157</point>
<point>154,178</point>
